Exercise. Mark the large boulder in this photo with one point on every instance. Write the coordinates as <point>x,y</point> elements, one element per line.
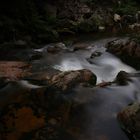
<point>69,79</point>
<point>130,120</point>
<point>128,50</point>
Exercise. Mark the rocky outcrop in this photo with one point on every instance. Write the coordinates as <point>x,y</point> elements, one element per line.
<point>130,120</point>
<point>128,50</point>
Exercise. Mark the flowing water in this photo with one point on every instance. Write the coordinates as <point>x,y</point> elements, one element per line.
<point>105,103</point>
<point>106,66</point>
<point>101,105</point>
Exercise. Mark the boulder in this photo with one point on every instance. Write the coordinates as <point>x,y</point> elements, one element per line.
<point>55,48</point>
<point>14,70</point>
<point>95,54</point>
<point>122,78</point>
<point>80,46</point>
<point>128,50</point>
<point>130,120</point>
<point>69,79</point>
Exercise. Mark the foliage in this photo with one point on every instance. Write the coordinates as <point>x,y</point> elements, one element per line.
<point>86,26</point>
<point>21,18</point>
<point>127,7</point>
<point>32,18</point>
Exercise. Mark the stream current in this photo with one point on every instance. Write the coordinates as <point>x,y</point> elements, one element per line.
<point>101,105</point>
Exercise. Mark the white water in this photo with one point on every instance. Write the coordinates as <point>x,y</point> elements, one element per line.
<point>106,67</point>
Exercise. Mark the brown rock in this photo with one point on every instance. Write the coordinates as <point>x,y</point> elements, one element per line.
<point>130,120</point>
<point>66,80</point>
<point>56,48</point>
<point>127,50</point>
<point>80,46</point>
<point>20,121</point>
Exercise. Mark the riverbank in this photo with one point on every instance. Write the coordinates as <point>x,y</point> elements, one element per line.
<point>45,21</point>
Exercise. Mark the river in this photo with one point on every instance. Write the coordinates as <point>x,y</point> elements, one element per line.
<point>101,105</point>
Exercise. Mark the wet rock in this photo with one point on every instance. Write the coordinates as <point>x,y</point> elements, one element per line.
<point>95,54</point>
<point>128,50</point>
<point>17,121</point>
<point>130,120</point>
<point>56,48</point>
<point>69,79</point>
<point>60,45</point>
<point>80,46</point>
<point>14,69</point>
<point>122,78</point>
<point>53,50</point>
